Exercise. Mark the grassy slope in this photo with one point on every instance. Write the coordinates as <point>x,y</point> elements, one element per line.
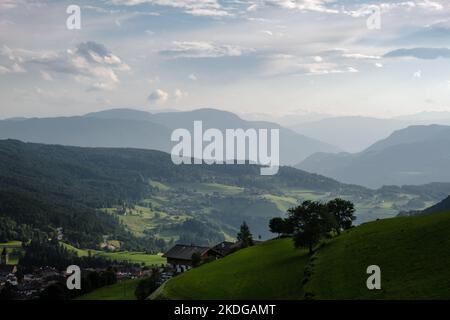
<point>255,273</point>
<point>120,291</point>
<point>134,257</point>
<point>413,253</point>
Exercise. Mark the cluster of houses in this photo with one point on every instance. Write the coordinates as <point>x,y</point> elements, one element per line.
<point>29,286</point>
<point>180,258</point>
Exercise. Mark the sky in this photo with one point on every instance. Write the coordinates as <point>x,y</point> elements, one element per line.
<point>275,57</point>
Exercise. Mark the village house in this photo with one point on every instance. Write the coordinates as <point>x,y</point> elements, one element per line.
<point>223,249</point>
<point>180,256</point>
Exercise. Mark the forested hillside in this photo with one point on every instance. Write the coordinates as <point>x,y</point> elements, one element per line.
<point>140,199</point>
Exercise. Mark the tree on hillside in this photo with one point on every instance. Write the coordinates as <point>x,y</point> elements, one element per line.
<point>280,226</point>
<point>343,213</point>
<point>244,236</point>
<point>196,259</point>
<point>310,222</point>
<point>148,285</point>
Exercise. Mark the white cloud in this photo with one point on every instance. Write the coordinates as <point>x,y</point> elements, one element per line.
<point>417,74</point>
<point>9,4</point>
<point>366,9</point>
<point>324,69</point>
<point>318,59</point>
<point>360,56</point>
<point>201,49</point>
<point>379,65</point>
<point>285,64</point>
<point>13,68</point>
<point>179,94</point>
<point>252,7</point>
<point>429,4</point>
<point>158,96</point>
<point>91,64</point>
<point>352,69</point>
<point>194,7</point>
<point>193,77</point>
<point>301,5</point>
<point>420,53</point>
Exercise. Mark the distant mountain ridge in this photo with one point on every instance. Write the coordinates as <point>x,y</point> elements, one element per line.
<point>128,128</point>
<point>415,155</point>
<point>443,206</point>
<point>355,133</point>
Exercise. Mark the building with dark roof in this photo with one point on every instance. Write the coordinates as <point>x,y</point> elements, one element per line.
<point>223,249</point>
<point>180,256</point>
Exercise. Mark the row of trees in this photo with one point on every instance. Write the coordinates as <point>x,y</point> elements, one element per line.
<point>313,220</point>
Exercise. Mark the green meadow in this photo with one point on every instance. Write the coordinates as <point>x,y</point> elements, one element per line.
<point>132,257</point>
<point>412,252</point>
<point>272,270</point>
<point>123,290</point>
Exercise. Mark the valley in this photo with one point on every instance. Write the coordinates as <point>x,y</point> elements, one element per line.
<point>222,207</point>
<point>143,202</point>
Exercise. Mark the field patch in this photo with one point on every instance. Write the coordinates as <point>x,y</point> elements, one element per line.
<point>123,290</point>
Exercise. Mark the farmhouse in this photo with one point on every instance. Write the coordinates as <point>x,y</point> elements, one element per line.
<point>223,249</point>
<point>180,256</point>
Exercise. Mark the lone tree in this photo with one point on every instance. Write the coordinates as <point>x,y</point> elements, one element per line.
<point>196,259</point>
<point>343,213</point>
<point>310,221</point>
<point>280,226</point>
<point>244,236</point>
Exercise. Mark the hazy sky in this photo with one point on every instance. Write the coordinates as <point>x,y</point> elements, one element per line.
<point>257,56</point>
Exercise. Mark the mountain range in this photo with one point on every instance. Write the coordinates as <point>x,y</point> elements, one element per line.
<point>130,128</point>
<point>415,155</point>
<point>354,133</point>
